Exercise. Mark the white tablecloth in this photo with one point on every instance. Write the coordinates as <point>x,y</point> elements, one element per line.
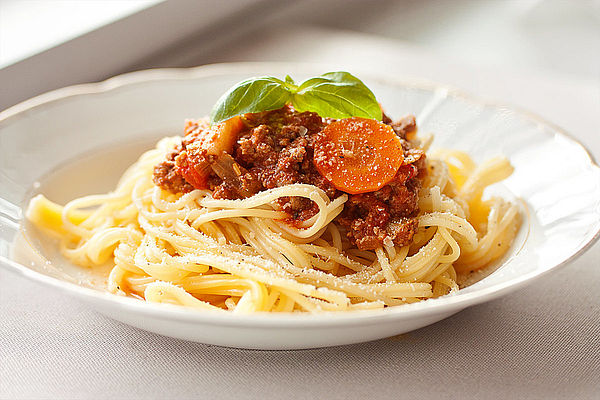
<point>540,342</point>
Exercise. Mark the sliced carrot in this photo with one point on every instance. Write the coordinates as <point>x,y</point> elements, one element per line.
<point>358,155</point>
<point>193,164</point>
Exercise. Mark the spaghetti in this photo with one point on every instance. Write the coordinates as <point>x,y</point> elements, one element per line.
<point>295,197</point>
<point>241,255</point>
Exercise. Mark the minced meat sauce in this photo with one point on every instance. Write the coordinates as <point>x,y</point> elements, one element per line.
<point>275,148</point>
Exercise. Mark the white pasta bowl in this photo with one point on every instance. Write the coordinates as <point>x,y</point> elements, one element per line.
<point>79,140</point>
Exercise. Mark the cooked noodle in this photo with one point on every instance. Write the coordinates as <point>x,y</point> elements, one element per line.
<point>193,250</point>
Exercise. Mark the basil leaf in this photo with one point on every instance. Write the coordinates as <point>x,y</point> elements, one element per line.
<point>250,96</point>
<point>333,95</point>
<point>337,95</point>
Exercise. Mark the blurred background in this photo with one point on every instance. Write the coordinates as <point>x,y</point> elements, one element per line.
<point>543,55</point>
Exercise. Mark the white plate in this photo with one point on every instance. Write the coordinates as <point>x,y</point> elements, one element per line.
<point>555,181</point>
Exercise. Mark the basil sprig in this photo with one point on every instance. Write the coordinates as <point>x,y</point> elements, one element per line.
<point>334,95</point>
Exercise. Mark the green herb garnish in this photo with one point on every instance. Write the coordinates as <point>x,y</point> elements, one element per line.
<point>334,95</point>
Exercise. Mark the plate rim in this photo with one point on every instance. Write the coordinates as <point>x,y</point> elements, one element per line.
<point>444,304</point>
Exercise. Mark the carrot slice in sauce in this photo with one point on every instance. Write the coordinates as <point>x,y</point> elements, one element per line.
<point>358,155</point>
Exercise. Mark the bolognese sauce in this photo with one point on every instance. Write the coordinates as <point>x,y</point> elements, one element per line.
<point>270,149</point>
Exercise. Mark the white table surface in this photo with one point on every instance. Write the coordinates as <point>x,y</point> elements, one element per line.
<point>540,342</point>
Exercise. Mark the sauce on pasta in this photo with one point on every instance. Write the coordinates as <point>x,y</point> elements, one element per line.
<point>286,211</point>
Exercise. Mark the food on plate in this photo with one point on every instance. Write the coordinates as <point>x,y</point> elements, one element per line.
<point>291,197</point>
